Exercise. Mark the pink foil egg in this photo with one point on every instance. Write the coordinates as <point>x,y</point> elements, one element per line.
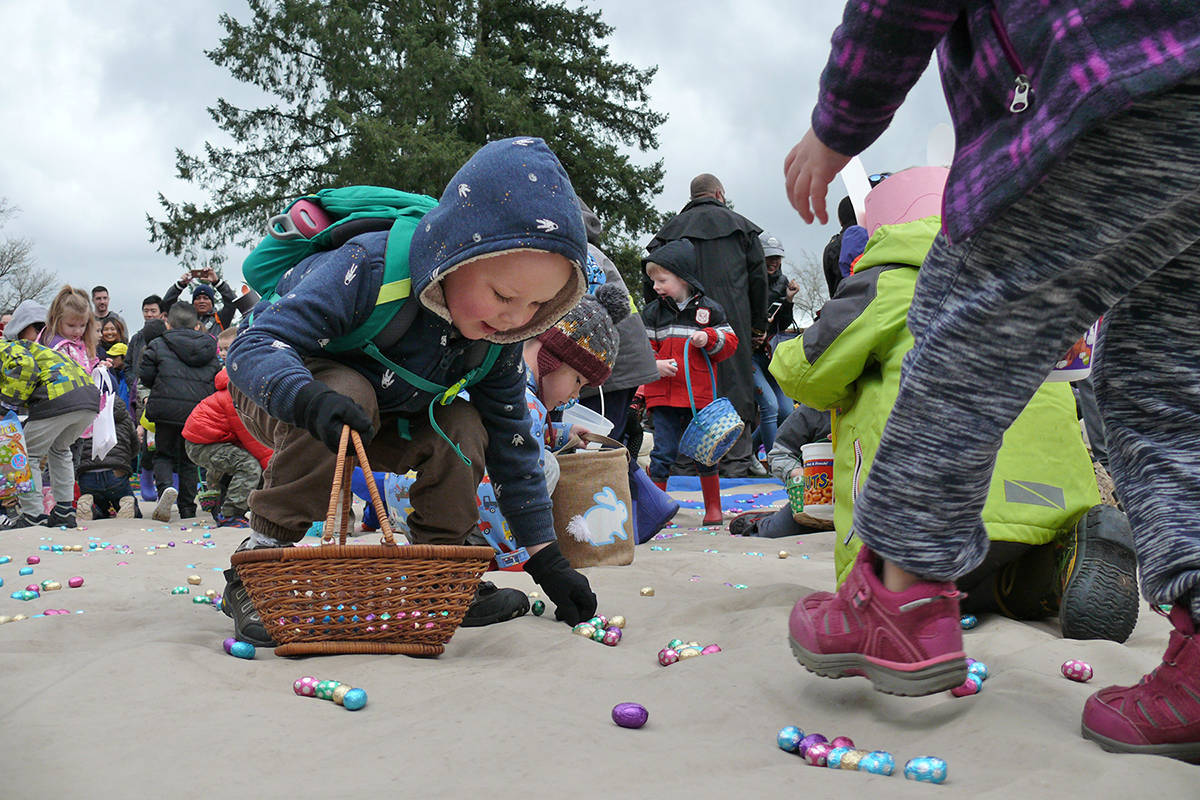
<point>817,753</point>
<point>33,560</point>
<point>305,686</point>
<point>667,656</point>
<point>1076,670</point>
<point>972,685</point>
<point>842,741</point>
<point>710,649</point>
<point>75,582</point>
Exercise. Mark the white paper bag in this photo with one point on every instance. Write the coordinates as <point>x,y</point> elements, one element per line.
<point>104,429</point>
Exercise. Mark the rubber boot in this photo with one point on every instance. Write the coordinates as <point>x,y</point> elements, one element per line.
<point>149,491</point>
<point>653,508</point>
<point>710,486</point>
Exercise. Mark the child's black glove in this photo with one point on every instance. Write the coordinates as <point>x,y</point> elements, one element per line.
<point>573,597</point>
<point>322,412</point>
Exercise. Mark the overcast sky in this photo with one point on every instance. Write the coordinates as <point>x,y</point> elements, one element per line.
<point>97,96</point>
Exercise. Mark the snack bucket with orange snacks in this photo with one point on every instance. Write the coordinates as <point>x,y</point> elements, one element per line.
<point>1077,363</point>
<point>818,479</point>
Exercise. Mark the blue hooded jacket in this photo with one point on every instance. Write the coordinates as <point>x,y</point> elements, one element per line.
<point>512,194</point>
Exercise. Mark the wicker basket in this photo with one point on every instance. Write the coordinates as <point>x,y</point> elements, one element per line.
<point>715,428</point>
<point>339,598</point>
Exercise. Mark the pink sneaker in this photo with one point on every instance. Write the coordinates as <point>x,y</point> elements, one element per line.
<point>907,643</point>
<point>1160,715</point>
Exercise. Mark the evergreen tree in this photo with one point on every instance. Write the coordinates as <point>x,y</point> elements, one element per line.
<point>400,93</point>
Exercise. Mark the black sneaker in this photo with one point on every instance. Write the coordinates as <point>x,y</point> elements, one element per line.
<point>1098,574</point>
<point>493,604</point>
<point>22,521</point>
<point>747,524</point>
<point>236,603</point>
<point>62,514</point>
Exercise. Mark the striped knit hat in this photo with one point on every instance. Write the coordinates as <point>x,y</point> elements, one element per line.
<point>586,338</point>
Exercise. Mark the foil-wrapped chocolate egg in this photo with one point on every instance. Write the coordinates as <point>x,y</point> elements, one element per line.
<point>612,636</point>
<point>667,656</point>
<point>842,741</point>
<point>584,629</point>
<point>647,591</point>
<point>809,741</point>
<point>354,699</point>
<point>339,693</point>
<point>1076,670</point>
<point>675,644</point>
<point>538,608</point>
<point>789,738</point>
<point>51,586</point>
<point>972,685</point>
<point>709,649</point>
<point>878,762</point>
<point>784,553</point>
<point>33,560</point>
<point>817,753</point>
<point>242,650</point>
<point>598,635</point>
<point>927,769</point>
<point>833,759</point>
<point>978,669</point>
<point>968,621</point>
<point>630,715</point>
<point>853,759</point>
<point>688,652</point>
<point>75,582</point>
<point>325,689</point>
<point>617,621</point>
<point>600,621</point>
<point>194,580</point>
<point>305,686</point>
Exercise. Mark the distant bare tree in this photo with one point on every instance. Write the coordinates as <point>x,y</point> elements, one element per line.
<point>813,293</point>
<point>20,277</point>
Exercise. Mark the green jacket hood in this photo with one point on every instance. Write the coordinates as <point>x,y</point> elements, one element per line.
<point>906,243</point>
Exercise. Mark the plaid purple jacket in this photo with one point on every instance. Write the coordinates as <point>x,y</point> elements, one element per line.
<point>1085,60</point>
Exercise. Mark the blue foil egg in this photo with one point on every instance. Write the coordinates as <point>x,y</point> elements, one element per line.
<point>878,762</point>
<point>968,621</point>
<point>927,769</point>
<point>241,650</point>
<point>354,699</point>
<point>789,738</point>
<point>834,759</point>
<point>979,670</point>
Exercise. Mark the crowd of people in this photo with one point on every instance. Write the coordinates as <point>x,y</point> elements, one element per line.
<point>71,368</point>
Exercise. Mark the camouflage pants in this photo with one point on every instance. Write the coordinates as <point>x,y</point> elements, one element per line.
<point>227,458</point>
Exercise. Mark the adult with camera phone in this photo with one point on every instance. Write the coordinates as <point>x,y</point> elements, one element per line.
<point>206,286</point>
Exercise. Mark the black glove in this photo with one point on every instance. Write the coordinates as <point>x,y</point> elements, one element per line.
<point>574,600</point>
<point>322,412</point>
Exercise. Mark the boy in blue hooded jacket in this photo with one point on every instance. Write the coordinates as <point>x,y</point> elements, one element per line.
<point>498,261</point>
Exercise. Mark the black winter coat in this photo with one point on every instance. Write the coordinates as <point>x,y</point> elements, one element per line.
<point>178,368</point>
<point>124,451</point>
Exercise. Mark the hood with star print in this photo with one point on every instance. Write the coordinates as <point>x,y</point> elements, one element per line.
<point>512,195</point>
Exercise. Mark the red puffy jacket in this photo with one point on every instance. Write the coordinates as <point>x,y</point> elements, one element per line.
<point>669,328</point>
<point>215,420</point>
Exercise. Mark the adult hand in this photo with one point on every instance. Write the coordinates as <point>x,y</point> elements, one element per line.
<point>323,412</point>
<point>792,289</point>
<point>574,600</point>
<point>184,279</point>
<point>210,276</point>
<point>809,169</point>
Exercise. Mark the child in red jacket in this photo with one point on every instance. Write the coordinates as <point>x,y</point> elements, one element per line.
<point>682,318</point>
<point>216,439</point>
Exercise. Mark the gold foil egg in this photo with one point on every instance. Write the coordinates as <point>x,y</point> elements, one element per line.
<point>339,693</point>
<point>616,622</point>
<point>784,553</point>
<point>647,591</point>
<point>194,580</point>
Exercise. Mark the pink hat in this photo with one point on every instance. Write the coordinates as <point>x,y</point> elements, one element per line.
<point>905,196</point>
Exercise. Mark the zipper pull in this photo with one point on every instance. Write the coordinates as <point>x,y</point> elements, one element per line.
<point>1020,100</point>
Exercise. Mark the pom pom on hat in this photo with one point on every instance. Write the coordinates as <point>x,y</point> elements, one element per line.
<point>586,338</point>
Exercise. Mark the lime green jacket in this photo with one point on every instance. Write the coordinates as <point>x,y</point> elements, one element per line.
<point>849,360</point>
<point>44,381</point>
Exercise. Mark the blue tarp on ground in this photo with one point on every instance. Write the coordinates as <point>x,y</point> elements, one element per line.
<point>768,492</point>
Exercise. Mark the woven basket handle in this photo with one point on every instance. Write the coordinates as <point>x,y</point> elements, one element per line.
<point>687,373</point>
<point>340,494</point>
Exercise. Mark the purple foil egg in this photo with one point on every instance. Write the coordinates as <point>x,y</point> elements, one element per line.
<point>227,645</point>
<point>630,715</point>
<point>809,741</point>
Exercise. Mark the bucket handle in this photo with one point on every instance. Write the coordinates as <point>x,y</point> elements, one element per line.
<point>341,491</point>
<point>687,373</point>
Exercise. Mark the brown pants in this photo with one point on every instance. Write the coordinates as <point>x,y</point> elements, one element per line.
<point>299,476</point>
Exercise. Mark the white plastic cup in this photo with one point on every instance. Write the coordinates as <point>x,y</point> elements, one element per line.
<point>1077,363</point>
<point>579,414</point>
<point>818,479</point>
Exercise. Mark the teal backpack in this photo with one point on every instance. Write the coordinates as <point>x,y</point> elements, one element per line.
<point>326,221</point>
